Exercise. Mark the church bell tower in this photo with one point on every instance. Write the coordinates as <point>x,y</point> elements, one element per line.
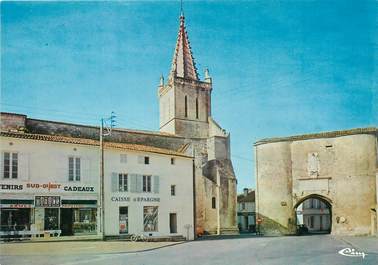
<point>185,100</point>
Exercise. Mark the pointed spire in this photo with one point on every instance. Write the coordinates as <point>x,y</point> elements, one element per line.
<point>183,62</point>
<point>161,80</point>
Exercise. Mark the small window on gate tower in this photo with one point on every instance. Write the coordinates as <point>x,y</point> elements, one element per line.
<point>213,203</point>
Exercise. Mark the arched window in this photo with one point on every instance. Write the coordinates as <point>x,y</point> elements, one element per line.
<point>186,106</point>
<point>196,108</point>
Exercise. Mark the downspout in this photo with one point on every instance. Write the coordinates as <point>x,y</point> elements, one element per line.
<point>194,198</point>
<point>218,203</point>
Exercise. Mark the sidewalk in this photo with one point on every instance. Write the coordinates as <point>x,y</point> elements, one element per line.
<point>78,247</point>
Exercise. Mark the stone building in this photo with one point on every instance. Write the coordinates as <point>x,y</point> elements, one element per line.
<point>338,168</point>
<point>186,126</point>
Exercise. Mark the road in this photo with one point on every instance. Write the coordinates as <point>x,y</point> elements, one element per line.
<point>319,249</point>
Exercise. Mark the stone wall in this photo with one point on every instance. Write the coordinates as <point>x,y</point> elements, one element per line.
<point>341,170</point>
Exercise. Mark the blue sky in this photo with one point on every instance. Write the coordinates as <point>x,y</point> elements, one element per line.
<point>279,67</point>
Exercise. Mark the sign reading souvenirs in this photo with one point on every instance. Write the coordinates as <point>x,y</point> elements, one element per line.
<point>11,187</point>
<point>46,187</point>
<point>137,199</point>
<point>47,201</point>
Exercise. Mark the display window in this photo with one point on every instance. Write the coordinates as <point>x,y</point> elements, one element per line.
<point>15,219</point>
<point>150,217</point>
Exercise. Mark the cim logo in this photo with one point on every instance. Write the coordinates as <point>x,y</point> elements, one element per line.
<point>351,252</point>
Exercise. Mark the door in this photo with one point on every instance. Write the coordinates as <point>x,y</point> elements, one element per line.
<point>123,220</point>
<point>51,218</point>
<point>66,221</point>
<point>173,223</point>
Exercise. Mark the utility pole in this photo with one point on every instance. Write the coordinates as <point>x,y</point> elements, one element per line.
<point>108,131</point>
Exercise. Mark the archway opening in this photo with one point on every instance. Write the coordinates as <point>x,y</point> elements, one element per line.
<point>313,216</point>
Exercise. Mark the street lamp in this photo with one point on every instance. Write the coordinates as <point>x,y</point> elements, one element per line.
<point>105,130</point>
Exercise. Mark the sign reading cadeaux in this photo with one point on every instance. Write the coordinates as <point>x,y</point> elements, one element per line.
<point>45,187</point>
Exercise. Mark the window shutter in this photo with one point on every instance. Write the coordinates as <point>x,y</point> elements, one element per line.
<point>156,184</point>
<point>23,166</point>
<point>133,183</point>
<point>114,182</point>
<point>85,170</point>
<point>1,165</point>
<point>139,186</point>
<point>140,159</point>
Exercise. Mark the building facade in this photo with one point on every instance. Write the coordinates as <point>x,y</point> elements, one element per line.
<point>50,186</point>
<point>246,211</point>
<point>186,127</point>
<point>338,168</point>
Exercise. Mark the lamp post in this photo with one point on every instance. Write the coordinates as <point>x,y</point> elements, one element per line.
<point>104,131</point>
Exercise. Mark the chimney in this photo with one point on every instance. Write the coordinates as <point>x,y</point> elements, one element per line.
<point>245,191</point>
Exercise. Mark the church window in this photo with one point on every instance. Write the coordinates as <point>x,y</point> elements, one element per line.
<point>213,203</point>
<point>186,106</point>
<point>196,108</point>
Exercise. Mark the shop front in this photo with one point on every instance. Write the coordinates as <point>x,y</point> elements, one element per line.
<point>65,212</point>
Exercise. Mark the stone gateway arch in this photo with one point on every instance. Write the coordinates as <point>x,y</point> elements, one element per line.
<point>339,168</point>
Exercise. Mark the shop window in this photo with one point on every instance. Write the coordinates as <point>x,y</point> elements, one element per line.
<point>74,168</point>
<point>146,183</point>
<point>173,190</point>
<point>122,180</point>
<point>13,219</point>
<point>10,165</point>
<point>213,203</point>
<point>84,221</point>
<point>150,218</point>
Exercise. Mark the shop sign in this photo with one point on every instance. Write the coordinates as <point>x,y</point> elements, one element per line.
<point>15,206</point>
<point>47,201</point>
<point>49,186</point>
<point>11,187</point>
<point>78,188</point>
<point>78,206</point>
<point>137,199</point>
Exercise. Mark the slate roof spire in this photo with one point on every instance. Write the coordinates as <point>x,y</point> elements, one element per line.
<point>183,64</point>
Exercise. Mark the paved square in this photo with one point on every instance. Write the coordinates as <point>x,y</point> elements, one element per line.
<point>242,250</point>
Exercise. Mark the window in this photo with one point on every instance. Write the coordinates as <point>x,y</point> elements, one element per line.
<point>213,203</point>
<point>173,190</point>
<point>74,168</point>
<point>150,218</point>
<point>10,166</point>
<point>311,221</point>
<point>122,181</point>
<point>123,158</point>
<point>197,108</point>
<point>146,160</point>
<point>173,161</point>
<point>146,183</point>
<point>243,205</point>
<point>186,106</point>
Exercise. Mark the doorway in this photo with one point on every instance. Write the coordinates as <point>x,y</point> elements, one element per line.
<point>173,223</point>
<point>123,220</point>
<point>66,221</point>
<point>51,218</point>
<point>314,216</point>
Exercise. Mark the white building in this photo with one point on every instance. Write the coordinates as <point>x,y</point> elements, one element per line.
<point>246,211</point>
<point>50,185</point>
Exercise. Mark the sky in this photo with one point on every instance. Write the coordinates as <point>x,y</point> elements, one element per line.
<point>279,68</point>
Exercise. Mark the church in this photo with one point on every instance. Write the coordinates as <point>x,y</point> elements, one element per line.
<point>187,129</point>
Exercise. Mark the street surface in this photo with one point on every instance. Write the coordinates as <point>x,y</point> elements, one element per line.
<point>318,249</point>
